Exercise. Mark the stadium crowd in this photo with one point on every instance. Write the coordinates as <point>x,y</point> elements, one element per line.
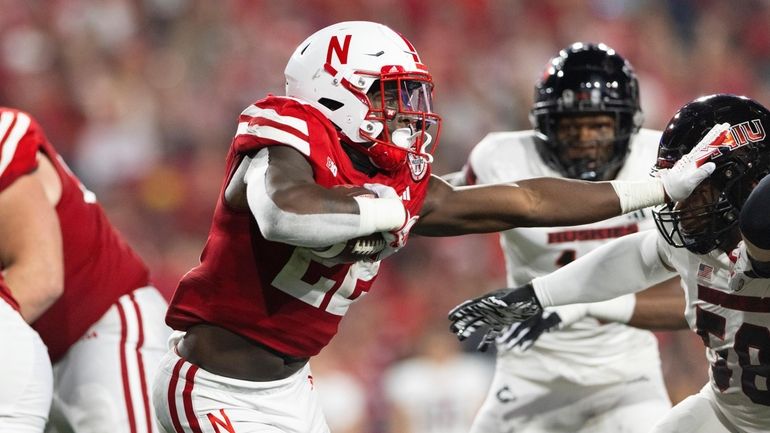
<point>141,98</point>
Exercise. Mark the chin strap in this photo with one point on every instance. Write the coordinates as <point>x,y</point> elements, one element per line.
<point>390,156</point>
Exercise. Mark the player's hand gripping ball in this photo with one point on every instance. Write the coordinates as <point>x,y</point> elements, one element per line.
<point>356,249</point>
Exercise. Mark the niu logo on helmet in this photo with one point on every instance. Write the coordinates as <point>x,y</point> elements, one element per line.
<point>750,131</point>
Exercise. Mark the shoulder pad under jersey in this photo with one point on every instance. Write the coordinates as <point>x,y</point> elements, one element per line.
<point>285,121</point>
<point>20,138</point>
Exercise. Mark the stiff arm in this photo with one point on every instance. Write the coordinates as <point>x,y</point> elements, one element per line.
<point>625,265</point>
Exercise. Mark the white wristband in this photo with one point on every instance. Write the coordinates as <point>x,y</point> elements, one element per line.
<point>619,310</point>
<point>379,214</point>
<point>639,194</point>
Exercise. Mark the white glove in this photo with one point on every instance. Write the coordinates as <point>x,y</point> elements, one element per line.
<point>680,180</point>
<point>395,239</point>
<point>382,191</point>
<point>740,269</point>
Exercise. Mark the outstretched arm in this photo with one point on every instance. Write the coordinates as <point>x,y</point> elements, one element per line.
<point>529,203</point>
<point>625,265</point>
<point>658,308</point>
<point>450,210</point>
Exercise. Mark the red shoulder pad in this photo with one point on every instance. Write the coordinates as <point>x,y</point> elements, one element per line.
<point>20,139</point>
<point>283,121</point>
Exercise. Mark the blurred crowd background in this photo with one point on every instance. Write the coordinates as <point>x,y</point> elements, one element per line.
<point>141,97</point>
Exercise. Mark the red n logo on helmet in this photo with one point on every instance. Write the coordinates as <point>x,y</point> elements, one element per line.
<point>340,51</point>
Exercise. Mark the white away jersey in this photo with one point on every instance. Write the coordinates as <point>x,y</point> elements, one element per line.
<point>735,327</point>
<point>587,352</point>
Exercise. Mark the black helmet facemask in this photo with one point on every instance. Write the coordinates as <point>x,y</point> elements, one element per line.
<point>586,79</point>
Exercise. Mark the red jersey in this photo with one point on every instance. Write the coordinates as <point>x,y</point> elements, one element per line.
<point>276,294</point>
<point>99,267</point>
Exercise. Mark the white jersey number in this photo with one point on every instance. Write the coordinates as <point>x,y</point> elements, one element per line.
<point>311,282</point>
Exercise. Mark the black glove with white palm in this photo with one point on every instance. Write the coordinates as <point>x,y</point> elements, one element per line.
<point>525,334</point>
<point>496,310</point>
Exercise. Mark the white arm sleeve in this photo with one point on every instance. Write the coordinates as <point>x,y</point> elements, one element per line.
<point>625,265</point>
<point>315,230</point>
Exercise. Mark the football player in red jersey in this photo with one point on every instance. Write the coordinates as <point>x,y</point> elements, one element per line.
<point>25,371</point>
<point>103,324</point>
<point>358,111</point>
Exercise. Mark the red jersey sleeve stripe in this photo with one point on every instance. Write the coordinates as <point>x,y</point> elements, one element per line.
<point>270,114</point>
<point>10,140</point>
<point>274,134</point>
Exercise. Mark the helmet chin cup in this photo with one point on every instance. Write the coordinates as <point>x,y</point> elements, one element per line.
<point>390,156</point>
<point>406,139</point>
<point>403,138</point>
<point>387,157</point>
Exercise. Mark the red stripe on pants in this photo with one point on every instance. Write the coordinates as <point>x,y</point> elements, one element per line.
<point>172,396</point>
<point>124,369</point>
<point>140,364</point>
<point>187,399</point>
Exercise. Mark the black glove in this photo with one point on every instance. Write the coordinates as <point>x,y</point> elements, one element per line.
<point>497,310</point>
<point>526,333</point>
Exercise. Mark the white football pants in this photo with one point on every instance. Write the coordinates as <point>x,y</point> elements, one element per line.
<point>516,404</point>
<point>189,399</point>
<point>103,382</point>
<point>25,375</point>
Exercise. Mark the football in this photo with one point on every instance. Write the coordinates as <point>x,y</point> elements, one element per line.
<point>356,249</point>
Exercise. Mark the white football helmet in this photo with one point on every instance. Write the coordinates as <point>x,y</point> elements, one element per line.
<point>369,81</point>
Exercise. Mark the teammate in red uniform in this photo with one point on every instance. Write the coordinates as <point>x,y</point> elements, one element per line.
<point>266,296</point>
<point>104,332</point>
<point>25,370</point>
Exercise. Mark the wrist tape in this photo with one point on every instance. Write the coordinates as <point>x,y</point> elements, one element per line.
<point>634,195</point>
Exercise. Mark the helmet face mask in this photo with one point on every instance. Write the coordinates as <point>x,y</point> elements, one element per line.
<point>589,80</point>
<point>586,145</point>
<point>708,219</point>
<point>709,223</point>
<point>404,105</point>
<point>366,78</point>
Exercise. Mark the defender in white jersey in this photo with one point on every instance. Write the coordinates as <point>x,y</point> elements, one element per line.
<point>726,279</point>
<point>591,374</point>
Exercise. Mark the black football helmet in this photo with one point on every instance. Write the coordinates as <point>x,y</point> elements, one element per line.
<point>586,79</point>
<point>742,160</point>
